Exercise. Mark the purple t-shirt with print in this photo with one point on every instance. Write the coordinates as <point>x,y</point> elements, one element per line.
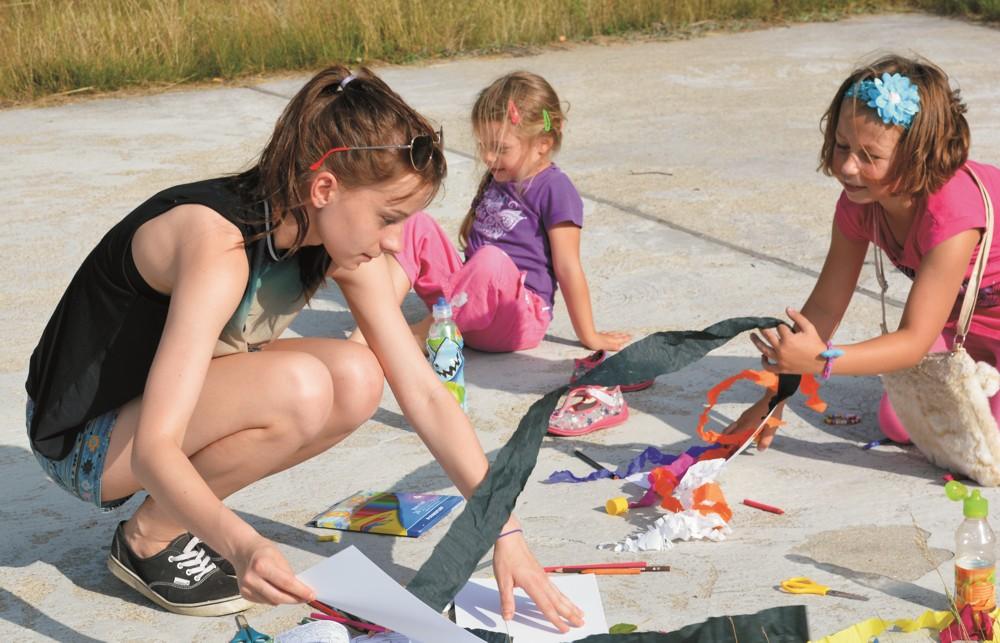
<point>515,217</point>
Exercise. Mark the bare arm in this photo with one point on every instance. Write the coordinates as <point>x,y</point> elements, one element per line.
<point>431,408</point>
<point>928,306</point>
<point>825,307</point>
<point>564,239</point>
<point>443,427</point>
<point>835,286</point>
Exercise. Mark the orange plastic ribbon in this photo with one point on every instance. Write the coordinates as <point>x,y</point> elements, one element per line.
<point>809,386</point>
<point>663,480</point>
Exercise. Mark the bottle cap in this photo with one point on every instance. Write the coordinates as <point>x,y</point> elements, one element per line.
<point>617,506</point>
<point>973,505</point>
<point>441,309</point>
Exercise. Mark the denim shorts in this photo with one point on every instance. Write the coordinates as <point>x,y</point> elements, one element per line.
<point>80,471</point>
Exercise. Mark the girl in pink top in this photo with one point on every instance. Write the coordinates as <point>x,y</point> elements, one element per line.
<point>896,138</point>
<point>521,237</point>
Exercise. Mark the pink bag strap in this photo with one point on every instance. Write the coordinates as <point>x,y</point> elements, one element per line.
<point>975,279</point>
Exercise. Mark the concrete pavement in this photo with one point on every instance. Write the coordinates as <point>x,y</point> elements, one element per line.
<point>697,162</point>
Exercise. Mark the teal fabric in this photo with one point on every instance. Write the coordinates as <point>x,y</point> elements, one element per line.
<point>472,534</point>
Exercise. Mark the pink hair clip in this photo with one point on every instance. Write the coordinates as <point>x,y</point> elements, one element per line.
<point>515,116</point>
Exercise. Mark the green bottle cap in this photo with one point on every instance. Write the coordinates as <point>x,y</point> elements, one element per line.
<point>973,505</point>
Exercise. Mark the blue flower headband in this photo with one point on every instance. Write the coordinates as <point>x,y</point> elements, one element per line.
<point>893,96</point>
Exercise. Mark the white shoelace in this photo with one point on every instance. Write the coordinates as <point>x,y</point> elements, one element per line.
<point>193,561</point>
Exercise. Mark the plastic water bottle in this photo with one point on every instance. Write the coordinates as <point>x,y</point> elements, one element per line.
<point>444,350</point>
<point>975,552</point>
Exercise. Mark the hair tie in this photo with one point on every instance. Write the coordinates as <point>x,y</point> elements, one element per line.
<point>347,79</point>
<point>512,113</point>
<point>547,120</point>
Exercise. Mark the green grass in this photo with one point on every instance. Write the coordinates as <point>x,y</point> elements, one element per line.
<point>52,47</point>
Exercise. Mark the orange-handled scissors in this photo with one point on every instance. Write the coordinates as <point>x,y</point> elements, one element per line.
<point>803,585</point>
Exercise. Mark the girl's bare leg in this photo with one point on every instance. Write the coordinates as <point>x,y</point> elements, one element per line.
<point>259,413</point>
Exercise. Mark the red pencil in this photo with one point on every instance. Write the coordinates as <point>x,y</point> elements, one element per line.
<point>375,629</point>
<point>762,506</point>
<point>334,615</point>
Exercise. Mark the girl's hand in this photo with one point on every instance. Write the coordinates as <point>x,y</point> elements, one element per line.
<point>609,341</point>
<point>786,351</point>
<point>265,576</point>
<point>751,419</point>
<point>515,566</point>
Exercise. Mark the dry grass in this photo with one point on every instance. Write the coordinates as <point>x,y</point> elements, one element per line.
<point>58,46</point>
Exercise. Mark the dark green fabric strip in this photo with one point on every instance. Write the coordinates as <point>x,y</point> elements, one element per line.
<point>491,637</point>
<point>775,625</point>
<point>473,533</point>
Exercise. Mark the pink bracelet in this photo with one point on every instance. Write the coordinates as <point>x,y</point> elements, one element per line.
<point>512,531</point>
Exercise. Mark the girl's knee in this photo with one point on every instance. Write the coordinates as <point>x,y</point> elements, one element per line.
<point>357,386</point>
<point>890,423</point>
<point>490,258</point>
<point>306,388</point>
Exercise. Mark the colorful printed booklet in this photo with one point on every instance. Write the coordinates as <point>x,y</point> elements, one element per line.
<point>382,512</point>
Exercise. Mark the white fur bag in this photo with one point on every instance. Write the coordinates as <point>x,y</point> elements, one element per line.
<point>943,402</point>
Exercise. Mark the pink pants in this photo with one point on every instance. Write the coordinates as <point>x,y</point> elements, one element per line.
<point>980,348</point>
<point>501,314</point>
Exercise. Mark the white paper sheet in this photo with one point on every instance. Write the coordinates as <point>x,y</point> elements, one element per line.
<point>478,606</point>
<point>349,581</point>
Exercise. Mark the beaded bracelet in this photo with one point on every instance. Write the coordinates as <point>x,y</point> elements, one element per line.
<point>829,355</point>
<point>512,531</point>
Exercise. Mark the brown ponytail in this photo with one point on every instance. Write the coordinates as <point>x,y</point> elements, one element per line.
<point>470,217</point>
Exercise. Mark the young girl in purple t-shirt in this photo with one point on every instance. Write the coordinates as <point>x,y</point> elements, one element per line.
<point>521,236</point>
<point>896,138</point>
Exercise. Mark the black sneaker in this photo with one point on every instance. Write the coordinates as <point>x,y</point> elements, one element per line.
<point>227,567</point>
<point>180,579</point>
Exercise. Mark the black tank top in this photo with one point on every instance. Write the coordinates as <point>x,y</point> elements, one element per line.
<point>95,352</point>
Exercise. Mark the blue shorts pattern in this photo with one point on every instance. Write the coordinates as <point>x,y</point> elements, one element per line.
<point>80,471</point>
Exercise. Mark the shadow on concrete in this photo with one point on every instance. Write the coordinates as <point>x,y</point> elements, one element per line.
<point>672,401</point>
<point>55,529</point>
<point>428,478</point>
<point>899,589</point>
<point>32,618</point>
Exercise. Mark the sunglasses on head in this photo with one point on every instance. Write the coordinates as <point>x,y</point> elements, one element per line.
<point>421,150</point>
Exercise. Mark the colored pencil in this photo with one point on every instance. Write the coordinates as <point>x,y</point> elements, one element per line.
<point>626,570</point>
<point>593,463</point>
<point>375,629</point>
<point>876,443</point>
<point>572,569</point>
<point>334,615</point>
<point>762,506</point>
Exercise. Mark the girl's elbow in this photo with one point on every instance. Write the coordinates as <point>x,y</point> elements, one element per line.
<point>568,274</point>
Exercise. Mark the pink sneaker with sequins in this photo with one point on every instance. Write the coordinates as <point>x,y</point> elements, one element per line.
<point>588,409</point>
